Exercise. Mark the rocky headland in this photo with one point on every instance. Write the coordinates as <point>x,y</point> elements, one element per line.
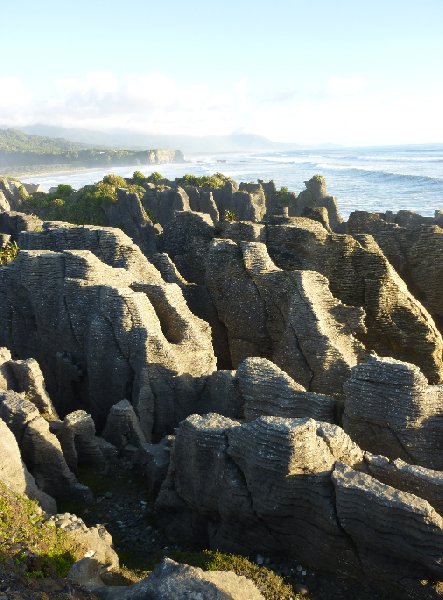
<point>199,365</point>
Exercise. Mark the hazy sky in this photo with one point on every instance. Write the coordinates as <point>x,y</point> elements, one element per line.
<point>306,71</point>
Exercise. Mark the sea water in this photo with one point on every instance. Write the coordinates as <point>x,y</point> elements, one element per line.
<point>375,179</point>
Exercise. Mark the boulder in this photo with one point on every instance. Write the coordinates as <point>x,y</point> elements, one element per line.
<point>173,581</point>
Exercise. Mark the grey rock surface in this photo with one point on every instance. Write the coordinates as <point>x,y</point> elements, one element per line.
<point>98,341</point>
<point>266,390</point>
<point>304,489</point>
<point>360,275</point>
<point>39,448</point>
<point>15,475</point>
<point>173,581</point>
<point>391,410</point>
<point>290,318</point>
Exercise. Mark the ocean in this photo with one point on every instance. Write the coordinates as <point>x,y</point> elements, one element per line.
<point>373,178</point>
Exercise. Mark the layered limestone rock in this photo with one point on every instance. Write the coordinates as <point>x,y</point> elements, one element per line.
<point>98,341</point>
<point>163,205</point>
<point>290,318</point>
<point>266,390</point>
<point>123,427</point>
<point>40,449</point>
<point>15,475</point>
<point>299,488</point>
<point>391,410</point>
<point>25,376</point>
<point>128,214</point>
<point>315,196</point>
<point>414,250</point>
<point>11,194</point>
<point>79,443</point>
<point>110,245</point>
<point>360,275</point>
<point>186,240</point>
<point>12,223</point>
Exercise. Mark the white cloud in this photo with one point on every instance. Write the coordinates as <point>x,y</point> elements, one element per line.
<point>345,85</point>
<point>341,110</point>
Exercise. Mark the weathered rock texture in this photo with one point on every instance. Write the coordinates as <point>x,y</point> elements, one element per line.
<point>163,205</point>
<point>390,409</point>
<point>173,581</point>
<point>98,341</point>
<point>414,250</point>
<point>12,223</point>
<point>314,197</point>
<point>360,275</point>
<point>290,318</point>
<point>128,214</point>
<point>266,390</point>
<point>40,449</point>
<point>298,487</point>
<point>14,474</point>
<point>11,194</point>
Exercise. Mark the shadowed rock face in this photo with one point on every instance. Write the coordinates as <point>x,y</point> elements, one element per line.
<point>390,409</point>
<point>298,487</point>
<point>290,318</point>
<point>359,275</point>
<point>40,449</point>
<point>128,214</point>
<point>414,249</point>
<point>98,341</point>
<point>14,473</point>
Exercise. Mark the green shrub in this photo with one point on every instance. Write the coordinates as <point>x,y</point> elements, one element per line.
<point>8,253</point>
<point>214,182</point>
<point>230,216</point>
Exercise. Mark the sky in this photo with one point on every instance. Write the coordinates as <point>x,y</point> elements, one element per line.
<point>303,71</point>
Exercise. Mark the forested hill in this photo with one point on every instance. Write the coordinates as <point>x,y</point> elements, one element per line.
<point>18,149</point>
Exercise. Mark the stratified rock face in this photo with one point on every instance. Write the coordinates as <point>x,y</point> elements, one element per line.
<point>163,205</point>
<point>110,245</point>
<point>12,223</point>
<point>123,427</point>
<point>296,487</point>
<point>391,410</point>
<point>79,443</point>
<point>422,482</point>
<point>387,524</point>
<point>266,390</point>
<point>128,214</point>
<point>98,341</point>
<point>14,474</point>
<point>25,376</point>
<point>314,197</point>
<point>414,250</point>
<point>40,449</point>
<point>11,196</point>
<point>186,240</point>
<point>290,318</point>
<point>360,275</point>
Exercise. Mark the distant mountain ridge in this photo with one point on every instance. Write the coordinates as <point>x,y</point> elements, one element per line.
<point>136,140</point>
<point>22,150</point>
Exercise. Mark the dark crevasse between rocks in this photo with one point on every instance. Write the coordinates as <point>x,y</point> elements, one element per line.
<point>257,379</point>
